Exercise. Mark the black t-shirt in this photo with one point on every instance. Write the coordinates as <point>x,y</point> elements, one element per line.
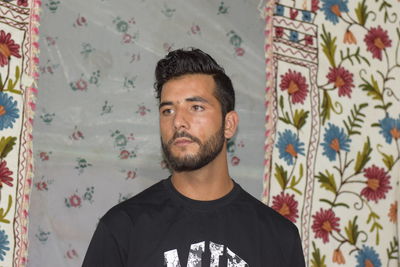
<point>161,227</point>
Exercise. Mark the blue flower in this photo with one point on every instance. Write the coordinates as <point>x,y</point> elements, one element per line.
<point>368,254</point>
<point>279,10</point>
<point>289,146</point>
<point>334,140</point>
<point>390,128</point>
<point>8,111</point>
<point>3,244</point>
<point>294,36</point>
<point>306,15</point>
<point>333,9</point>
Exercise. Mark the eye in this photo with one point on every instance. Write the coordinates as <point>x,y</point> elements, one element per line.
<point>167,112</point>
<point>197,108</point>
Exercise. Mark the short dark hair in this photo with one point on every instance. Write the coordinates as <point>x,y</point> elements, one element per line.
<point>194,61</point>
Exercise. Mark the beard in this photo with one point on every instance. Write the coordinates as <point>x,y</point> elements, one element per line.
<point>208,151</point>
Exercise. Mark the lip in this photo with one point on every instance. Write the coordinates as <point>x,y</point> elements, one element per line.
<point>182,141</point>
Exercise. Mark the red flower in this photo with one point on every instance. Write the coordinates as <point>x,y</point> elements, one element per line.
<point>309,39</point>
<point>22,2</point>
<point>376,40</point>
<point>75,201</point>
<point>286,205</point>
<point>7,48</point>
<point>5,174</point>
<point>324,223</point>
<point>342,79</point>
<point>377,183</point>
<point>314,5</point>
<point>296,85</point>
<point>278,32</point>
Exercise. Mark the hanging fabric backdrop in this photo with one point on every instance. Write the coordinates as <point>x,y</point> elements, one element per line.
<point>96,140</point>
<point>18,68</point>
<point>333,127</point>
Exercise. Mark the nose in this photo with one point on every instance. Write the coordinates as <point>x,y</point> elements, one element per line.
<point>181,120</point>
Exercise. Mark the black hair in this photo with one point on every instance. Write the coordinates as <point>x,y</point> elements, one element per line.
<point>194,61</point>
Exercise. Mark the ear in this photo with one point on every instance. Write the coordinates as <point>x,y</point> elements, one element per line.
<point>231,124</point>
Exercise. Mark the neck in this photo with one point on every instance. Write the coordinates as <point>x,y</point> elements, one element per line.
<point>207,183</point>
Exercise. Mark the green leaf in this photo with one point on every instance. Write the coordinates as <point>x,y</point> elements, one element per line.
<point>328,46</point>
<point>4,214</point>
<point>281,176</point>
<point>327,181</point>
<point>361,12</point>
<point>332,204</point>
<point>10,85</point>
<point>281,105</point>
<point>293,184</point>
<point>363,156</point>
<point>355,119</point>
<point>388,160</point>
<point>326,107</point>
<point>372,89</point>
<point>352,231</point>
<point>17,74</point>
<point>6,145</point>
<point>299,118</point>
<point>301,171</point>
<point>317,260</point>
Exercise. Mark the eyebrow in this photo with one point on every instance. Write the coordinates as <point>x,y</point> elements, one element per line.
<point>189,99</point>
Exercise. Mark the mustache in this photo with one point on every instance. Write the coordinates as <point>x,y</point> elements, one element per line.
<point>184,134</point>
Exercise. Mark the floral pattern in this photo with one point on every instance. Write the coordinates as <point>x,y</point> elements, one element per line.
<point>344,57</point>
<point>286,205</point>
<point>8,111</point>
<point>8,48</point>
<point>377,183</point>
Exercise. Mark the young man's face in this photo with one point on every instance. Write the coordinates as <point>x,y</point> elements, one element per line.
<point>191,123</point>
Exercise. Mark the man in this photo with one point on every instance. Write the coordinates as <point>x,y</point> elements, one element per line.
<point>198,216</point>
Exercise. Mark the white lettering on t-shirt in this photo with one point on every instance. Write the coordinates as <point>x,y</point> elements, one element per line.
<point>171,258</point>
<point>196,250</point>
<point>216,251</point>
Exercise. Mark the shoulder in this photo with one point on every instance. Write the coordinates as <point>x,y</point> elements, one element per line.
<point>126,211</point>
<point>271,219</point>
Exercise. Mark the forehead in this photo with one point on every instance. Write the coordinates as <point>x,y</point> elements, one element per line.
<point>189,85</point>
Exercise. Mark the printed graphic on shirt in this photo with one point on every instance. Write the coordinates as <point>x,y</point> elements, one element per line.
<point>171,258</point>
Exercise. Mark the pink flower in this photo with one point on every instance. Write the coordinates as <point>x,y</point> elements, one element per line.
<point>296,85</point>
<point>377,40</point>
<point>7,48</point>
<point>5,175</point>
<point>41,186</point>
<point>235,161</point>
<point>325,222</point>
<point>81,84</point>
<point>75,201</point>
<point>239,51</point>
<point>286,205</point>
<point>377,183</point>
<point>124,154</point>
<point>342,79</point>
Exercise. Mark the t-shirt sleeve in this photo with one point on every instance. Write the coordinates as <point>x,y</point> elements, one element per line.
<point>103,249</point>
<point>297,256</point>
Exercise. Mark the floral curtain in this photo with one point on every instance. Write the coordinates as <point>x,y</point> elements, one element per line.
<point>332,161</point>
<point>18,69</point>
<point>96,140</point>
